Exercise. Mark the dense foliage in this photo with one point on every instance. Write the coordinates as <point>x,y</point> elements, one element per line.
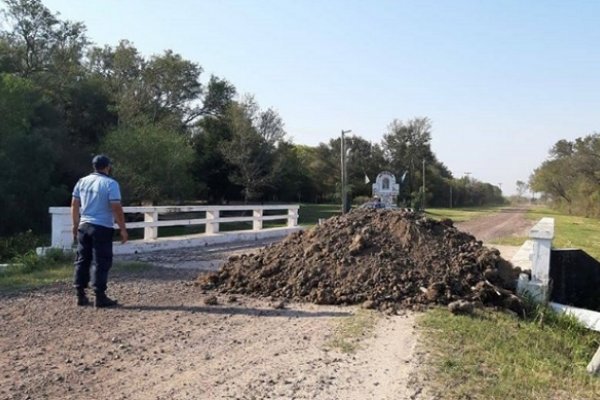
<point>173,134</point>
<point>570,177</point>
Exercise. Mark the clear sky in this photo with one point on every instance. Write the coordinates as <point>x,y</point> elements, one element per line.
<point>502,81</point>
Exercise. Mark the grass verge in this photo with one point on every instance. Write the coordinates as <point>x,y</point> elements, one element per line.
<point>309,214</point>
<point>348,334</point>
<point>31,271</point>
<point>460,214</point>
<point>572,231</point>
<point>495,355</point>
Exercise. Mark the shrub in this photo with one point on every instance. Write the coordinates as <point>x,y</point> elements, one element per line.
<point>17,245</point>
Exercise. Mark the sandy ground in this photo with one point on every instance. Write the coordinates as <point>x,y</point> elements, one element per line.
<point>164,342</point>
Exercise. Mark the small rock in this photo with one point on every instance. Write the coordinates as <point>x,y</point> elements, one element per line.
<point>232,299</point>
<point>280,305</point>
<point>211,300</point>
<point>369,305</point>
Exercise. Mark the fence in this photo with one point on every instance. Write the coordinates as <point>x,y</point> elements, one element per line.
<point>212,218</point>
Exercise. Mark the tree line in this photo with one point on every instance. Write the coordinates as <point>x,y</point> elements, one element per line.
<point>174,134</point>
<point>570,177</point>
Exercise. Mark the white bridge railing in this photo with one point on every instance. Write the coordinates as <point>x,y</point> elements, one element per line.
<point>164,216</point>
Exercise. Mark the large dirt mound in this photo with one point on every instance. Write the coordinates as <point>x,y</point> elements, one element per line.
<point>385,259</point>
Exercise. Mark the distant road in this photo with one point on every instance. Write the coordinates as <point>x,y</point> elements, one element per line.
<point>508,222</point>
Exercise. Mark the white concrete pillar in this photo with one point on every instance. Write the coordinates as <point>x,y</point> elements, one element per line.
<point>257,223</point>
<point>62,233</point>
<point>594,365</point>
<point>541,235</point>
<point>151,232</point>
<point>292,217</point>
<point>538,287</point>
<point>212,227</point>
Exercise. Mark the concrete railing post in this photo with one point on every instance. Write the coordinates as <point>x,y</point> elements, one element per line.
<point>212,227</point>
<point>292,217</point>
<point>151,232</point>
<point>62,234</point>
<point>541,235</point>
<point>538,287</point>
<point>257,223</point>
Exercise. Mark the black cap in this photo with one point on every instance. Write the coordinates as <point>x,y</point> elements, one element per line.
<point>100,161</point>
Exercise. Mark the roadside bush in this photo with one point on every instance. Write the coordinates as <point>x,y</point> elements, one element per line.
<point>19,244</point>
<point>30,261</point>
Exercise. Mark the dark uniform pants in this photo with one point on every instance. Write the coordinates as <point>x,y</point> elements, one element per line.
<point>94,244</point>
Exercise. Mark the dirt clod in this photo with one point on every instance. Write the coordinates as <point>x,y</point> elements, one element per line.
<point>461,307</point>
<point>211,301</point>
<point>384,259</point>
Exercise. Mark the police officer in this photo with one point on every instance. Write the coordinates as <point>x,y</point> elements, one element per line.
<point>95,205</point>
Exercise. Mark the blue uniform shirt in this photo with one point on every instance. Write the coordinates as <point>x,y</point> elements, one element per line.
<point>95,192</point>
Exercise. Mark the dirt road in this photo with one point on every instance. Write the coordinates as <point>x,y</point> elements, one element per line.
<point>166,343</point>
<point>508,222</point>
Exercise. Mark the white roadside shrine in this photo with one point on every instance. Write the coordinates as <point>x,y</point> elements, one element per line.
<point>386,189</point>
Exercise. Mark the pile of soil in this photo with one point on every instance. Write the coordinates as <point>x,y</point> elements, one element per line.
<point>384,259</point>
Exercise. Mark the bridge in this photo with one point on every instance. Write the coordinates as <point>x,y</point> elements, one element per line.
<point>209,224</point>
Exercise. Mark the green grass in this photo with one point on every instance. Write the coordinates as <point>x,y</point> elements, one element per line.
<point>351,330</point>
<point>310,213</point>
<point>15,281</point>
<point>494,355</point>
<point>460,214</point>
<point>572,231</point>
<point>30,271</point>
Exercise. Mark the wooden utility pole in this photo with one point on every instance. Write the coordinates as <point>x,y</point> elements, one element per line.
<point>343,171</point>
<point>423,205</point>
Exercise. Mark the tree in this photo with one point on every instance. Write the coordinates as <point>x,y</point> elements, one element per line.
<point>151,162</point>
<point>173,86</point>
<point>364,158</point>
<point>319,164</point>
<point>210,168</point>
<point>570,177</point>
<point>218,97</point>
<point>42,46</point>
<point>49,52</point>
<point>291,181</point>
<point>521,188</point>
<point>28,156</point>
<point>406,146</point>
<point>165,88</point>
<point>251,148</point>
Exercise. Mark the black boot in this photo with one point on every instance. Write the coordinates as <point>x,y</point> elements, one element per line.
<point>103,301</point>
<point>82,299</point>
